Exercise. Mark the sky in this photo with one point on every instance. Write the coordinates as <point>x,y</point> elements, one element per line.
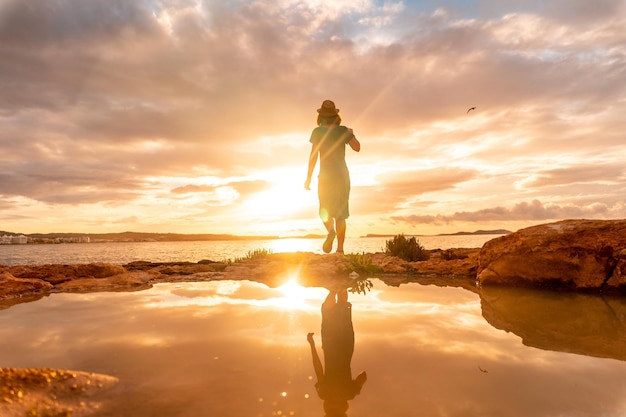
<point>192,116</point>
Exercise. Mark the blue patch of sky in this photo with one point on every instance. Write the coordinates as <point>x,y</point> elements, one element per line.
<point>477,9</point>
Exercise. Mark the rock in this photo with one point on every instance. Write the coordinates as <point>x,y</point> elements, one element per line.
<point>587,255</point>
<point>271,269</point>
<point>55,274</point>
<point>12,287</point>
<point>121,282</point>
<point>99,270</point>
<point>51,392</point>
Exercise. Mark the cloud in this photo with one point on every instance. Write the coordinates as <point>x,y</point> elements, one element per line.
<point>130,102</point>
<point>580,174</point>
<point>524,211</point>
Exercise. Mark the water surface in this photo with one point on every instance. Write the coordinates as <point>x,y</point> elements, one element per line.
<point>239,349</point>
<point>126,252</point>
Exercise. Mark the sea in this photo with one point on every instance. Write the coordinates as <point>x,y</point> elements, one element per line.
<point>121,253</point>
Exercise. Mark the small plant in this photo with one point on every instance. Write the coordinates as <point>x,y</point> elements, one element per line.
<point>361,286</point>
<point>409,249</point>
<point>362,264</point>
<point>254,254</point>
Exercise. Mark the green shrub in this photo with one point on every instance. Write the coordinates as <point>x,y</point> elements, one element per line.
<point>409,249</point>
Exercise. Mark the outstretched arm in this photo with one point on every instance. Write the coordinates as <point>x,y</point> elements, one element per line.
<point>312,163</point>
<point>317,364</point>
<point>354,143</point>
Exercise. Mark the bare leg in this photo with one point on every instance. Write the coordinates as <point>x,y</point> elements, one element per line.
<point>329,225</point>
<point>341,234</point>
<point>330,298</point>
<point>328,243</point>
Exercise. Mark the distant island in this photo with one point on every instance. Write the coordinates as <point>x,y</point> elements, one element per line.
<point>47,238</point>
<point>35,238</point>
<point>477,232</point>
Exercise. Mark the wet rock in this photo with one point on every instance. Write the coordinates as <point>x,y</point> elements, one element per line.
<point>51,392</point>
<point>121,282</point>
<point>12,287</point>
<point>571,254</point>
<point>56,274</point>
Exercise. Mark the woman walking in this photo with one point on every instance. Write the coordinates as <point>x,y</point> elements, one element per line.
<point>328,144</point>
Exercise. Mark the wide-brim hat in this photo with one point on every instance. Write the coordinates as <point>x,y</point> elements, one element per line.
<point>328,109</point>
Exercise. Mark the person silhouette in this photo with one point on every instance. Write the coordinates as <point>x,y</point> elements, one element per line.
<point>328,143</point>
<point>335,385</point>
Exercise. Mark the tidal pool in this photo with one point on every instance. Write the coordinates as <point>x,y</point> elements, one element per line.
<point>240,349</point>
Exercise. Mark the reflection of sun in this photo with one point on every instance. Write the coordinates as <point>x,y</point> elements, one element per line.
<point>292,289</point>
<point>296,297</point>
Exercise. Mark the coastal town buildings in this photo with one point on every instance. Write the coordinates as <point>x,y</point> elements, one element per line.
<point>13,240</point>
<point>23,240</point>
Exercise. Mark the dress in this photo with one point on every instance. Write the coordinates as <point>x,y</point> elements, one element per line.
<point>334,179</point>
<point>338,346</point>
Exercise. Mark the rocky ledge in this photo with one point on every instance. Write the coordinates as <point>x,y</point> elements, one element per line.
<point>588,255</point>
<point>579,255</point>
<point>450,267</point>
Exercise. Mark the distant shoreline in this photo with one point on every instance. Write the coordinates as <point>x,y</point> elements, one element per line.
<point>55,238</point>
<point>477,232</point>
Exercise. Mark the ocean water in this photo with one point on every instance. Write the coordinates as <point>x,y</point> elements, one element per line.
<point>233,349</point>
<point>125,252</point>
<point>239,348</point>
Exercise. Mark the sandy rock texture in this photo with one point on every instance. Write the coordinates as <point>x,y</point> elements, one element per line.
<point>581,255</point>
<point>51,392</point>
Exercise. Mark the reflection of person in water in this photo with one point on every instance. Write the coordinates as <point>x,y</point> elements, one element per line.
<point>335,385</point>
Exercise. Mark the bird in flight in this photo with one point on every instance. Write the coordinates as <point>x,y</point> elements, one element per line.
<point>470,109</point>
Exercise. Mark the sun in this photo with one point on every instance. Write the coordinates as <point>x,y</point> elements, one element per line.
<point>283,199</point>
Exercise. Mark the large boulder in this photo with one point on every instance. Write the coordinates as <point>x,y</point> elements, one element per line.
<point>587,255</point>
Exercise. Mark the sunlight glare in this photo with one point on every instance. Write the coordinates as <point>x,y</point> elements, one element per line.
<point>295,296</point>
<point>286,196</point>
<point>293,290</point>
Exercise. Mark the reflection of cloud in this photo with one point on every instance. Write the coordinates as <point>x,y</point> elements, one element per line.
<point>203,360</point>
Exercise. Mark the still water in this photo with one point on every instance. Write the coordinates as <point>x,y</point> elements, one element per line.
<point>240,349</point>
<point>125,252</point>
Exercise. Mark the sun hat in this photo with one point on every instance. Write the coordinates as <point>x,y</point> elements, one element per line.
<point>328,109</point>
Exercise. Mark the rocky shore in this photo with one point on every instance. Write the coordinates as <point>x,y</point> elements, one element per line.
<point>578,255</point>
<point>24,282</point>
<point>573,255</point>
